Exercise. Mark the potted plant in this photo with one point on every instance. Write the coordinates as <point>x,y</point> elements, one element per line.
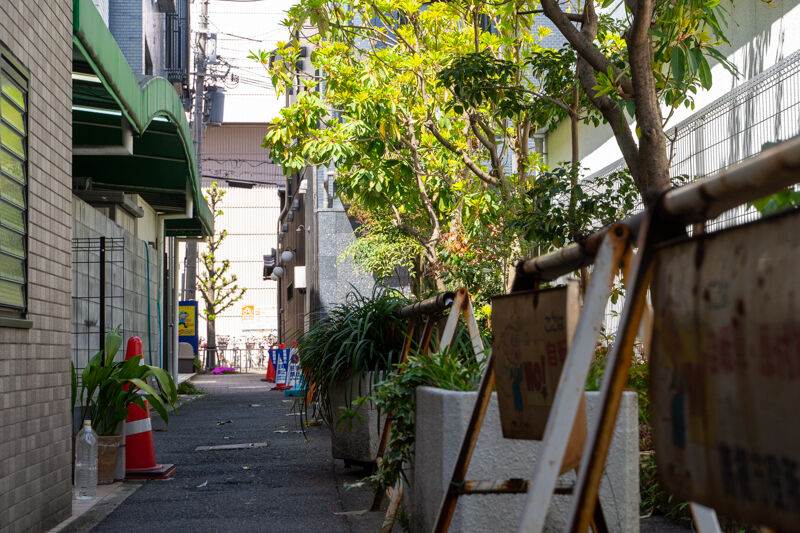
<point>108,387</point>
<point>344,353</point>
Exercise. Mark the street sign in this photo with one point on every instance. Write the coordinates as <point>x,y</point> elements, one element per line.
<point>725,371</point>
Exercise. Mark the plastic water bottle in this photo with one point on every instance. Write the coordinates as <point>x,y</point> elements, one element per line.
<point>86,462</point>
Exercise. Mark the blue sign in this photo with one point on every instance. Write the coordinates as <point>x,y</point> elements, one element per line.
<point>187,323</point>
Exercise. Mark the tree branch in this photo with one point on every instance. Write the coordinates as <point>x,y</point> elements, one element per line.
<point>479,172</point>
<point>486,141</point>
<point>607,107</point>
<point>583,46</point>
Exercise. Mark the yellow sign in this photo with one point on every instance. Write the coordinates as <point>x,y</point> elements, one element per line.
<point>186,325</point>
<point>248,312</point>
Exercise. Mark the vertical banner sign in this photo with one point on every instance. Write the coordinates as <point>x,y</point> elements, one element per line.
<point>281,366</point>
<point>533,332</point>
<point>725,371</point>
<point>294,365</point>
<point>187,323</point>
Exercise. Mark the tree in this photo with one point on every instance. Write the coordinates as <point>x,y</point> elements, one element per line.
<point>406,152</point>
<point>428,111</point>
<point>218,290</point>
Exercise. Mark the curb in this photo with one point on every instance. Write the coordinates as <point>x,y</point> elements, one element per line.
<point>91,518</point>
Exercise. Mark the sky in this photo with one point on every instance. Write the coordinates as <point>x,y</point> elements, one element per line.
<point>241,27</point>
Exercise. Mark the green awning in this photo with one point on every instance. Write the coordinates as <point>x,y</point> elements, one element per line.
<point>110,101</point>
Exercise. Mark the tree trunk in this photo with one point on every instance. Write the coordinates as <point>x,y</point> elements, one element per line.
<point>211,345</point>
<point>653,175</point>
<point>573,171</point>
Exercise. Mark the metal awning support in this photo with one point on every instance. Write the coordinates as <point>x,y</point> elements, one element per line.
<point>772,170</point>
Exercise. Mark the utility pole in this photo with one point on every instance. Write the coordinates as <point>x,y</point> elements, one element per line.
<point>197,127</point>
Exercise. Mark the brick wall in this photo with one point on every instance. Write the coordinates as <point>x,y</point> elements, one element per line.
<point>35,449</point>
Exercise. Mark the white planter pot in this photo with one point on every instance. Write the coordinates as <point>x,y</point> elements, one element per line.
<point>441,421</point>
<point>359,443</point>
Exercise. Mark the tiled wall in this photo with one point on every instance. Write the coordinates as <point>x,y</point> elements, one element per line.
<point>125,23</point>
<point>35,449</point>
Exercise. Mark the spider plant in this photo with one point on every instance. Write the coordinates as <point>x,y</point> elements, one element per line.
<point>357,340</point>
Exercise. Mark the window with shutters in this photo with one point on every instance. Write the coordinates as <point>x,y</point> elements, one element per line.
<point>13,185</point>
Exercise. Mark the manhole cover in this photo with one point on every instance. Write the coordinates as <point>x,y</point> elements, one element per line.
<point>232,446</point>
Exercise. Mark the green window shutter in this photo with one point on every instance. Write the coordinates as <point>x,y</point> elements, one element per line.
<point>13,185</point>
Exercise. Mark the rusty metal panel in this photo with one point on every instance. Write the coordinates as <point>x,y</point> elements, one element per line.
<point>533,330</point>
<point>725,371</point>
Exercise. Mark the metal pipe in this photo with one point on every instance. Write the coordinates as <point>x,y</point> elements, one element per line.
<point>434,304</point>
<point>102,317</point>
<point>768,172</point>
<point>176,296</point>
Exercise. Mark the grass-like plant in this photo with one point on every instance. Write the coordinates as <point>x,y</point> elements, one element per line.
<point>358,336</point>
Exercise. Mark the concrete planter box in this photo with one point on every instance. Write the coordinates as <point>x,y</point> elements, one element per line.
<point>359,443</point>
<point>442,418</point>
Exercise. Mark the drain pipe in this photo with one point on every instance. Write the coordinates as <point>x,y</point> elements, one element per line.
<point>188,213</point>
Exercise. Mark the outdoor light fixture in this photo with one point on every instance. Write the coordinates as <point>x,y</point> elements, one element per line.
<point>301,228</point>
<point>273,277</point>
<point>277,271</point>
<point>286,256</point>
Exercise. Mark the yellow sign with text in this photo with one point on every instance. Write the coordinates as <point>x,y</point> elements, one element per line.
<point>186,321</point>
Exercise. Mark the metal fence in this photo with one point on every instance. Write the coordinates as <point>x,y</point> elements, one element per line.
<point>248,355</point>
<point>764,109</point>
<point>98,289</point>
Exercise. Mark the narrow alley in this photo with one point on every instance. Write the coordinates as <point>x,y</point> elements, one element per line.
<point>292,484</point>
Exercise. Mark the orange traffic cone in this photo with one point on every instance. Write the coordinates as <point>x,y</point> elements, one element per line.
<point>270,377</point>
<point>140,454</point>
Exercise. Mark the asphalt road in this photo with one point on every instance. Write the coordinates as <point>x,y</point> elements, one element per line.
<point>292,484</point>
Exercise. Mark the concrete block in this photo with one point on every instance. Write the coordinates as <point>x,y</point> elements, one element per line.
<point>442,418</point>
<point>359,442</point>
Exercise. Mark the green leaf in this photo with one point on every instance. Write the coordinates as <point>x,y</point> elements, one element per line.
<point>705,74</point>
<point>678,63</point>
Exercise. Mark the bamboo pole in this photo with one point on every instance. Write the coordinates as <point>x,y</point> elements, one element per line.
<point>770,171</point>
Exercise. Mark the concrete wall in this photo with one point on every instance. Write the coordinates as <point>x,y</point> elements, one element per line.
<point>35,449</point>
<point>334,232</point>
<point>126,288</point>
<point>441,422</point>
